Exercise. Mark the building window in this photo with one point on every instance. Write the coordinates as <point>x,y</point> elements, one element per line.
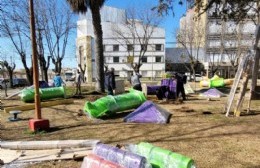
<point>144,73</point>
<point>130,47</point>
<point>115,47</point>
<point>115,59</point>
<point>144,59</point>
<point>158,59</point>
<point>158,47</point>
<point>143,47</point>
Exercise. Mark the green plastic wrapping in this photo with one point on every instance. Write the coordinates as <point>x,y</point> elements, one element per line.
<point>162,158</point>
<point>27,95</point>
<point>217,83</point>
<point>111,104</point>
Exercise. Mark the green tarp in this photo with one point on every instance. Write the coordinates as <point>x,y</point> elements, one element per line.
<point>111,104</point>
<point>161,158</point>
<point>27,95</point>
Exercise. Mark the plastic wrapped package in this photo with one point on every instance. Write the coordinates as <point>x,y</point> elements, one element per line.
<point>228,81</point>
<point>148,112</point>
<point>94,161</point>
<point>27,95</point>
<point>111,104</point>
<point>121,157</point>
<point>161,158</point>
<point>217,83</point>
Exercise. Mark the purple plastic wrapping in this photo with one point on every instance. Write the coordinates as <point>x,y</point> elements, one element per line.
<point>213,93</point>
<point>119,156</point>
<point>151,90</point>
<point>148,112</point>
<point>133,160</point>
<point>170,83</point>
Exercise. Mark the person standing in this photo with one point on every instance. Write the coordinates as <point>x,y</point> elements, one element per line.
<point>180,86</point>
<point>57,80</point>
<point>135,81</point>
<point>110,80</point>
<point>79,79</point>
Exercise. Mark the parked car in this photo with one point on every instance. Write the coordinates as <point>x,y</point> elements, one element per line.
<point>20,82</point>
<point>198,78</point>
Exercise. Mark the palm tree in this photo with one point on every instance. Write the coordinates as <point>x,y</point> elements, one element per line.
<point>81,6</point>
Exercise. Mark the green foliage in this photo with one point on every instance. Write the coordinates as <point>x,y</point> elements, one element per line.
<point>225,9</point>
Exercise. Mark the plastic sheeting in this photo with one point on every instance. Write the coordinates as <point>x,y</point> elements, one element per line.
<point>214,82</point>
<point>161,158</point>
<point>148,112</point>
<point>111,104</point>
<point>151,90</point>
<point>27,95</point>
<point>121,157</point>
<point>94,161</point>
<point>213,93</point>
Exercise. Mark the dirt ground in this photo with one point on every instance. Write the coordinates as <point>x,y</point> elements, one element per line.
<point>198,129</point>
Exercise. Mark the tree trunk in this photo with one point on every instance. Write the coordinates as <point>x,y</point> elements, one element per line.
<point>10,73</point>
<point>98,48</point>
<point>58,64</point>
<point>27,70</point>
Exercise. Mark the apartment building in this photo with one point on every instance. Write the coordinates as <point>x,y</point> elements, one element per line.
<point>116,50</point>
<point>224,42</point>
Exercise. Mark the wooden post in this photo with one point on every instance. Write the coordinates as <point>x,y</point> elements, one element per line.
<point>243,88</point>
<point>255,68</point>
<point>35,64</point>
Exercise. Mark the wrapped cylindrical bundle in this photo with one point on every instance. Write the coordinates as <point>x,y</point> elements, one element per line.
<point>111,104</point>
<point>161,158</point>
<point>119,156</point>
<point>94,161</point>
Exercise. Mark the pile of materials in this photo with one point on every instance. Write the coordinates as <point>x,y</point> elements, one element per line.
<point>142,155</point>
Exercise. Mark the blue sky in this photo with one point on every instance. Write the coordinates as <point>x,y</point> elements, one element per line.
<point>170,23</point>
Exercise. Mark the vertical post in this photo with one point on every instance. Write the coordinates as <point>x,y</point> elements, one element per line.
<point>35,63</point>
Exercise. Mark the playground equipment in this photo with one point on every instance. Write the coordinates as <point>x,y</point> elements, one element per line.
<point>27,95</point>
<point>248,66</point>
<point>111,104</point>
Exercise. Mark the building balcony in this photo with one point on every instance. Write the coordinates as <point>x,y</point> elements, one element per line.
<point>214,36</point>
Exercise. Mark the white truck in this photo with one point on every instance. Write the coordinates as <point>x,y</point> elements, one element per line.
<point>70,76</point>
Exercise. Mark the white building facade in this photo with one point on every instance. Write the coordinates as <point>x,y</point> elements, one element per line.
<point>116,51</point>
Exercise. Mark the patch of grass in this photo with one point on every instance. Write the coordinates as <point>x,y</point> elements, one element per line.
<point>33,133</point>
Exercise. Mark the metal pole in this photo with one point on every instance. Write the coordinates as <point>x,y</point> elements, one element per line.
<point>35,63</point>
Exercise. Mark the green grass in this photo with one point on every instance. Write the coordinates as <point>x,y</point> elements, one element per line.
<point>33,133</point>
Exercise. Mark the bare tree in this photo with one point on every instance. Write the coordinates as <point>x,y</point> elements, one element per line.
<point>9,65</point>
<point>191,38</point>
<point>137,31</point>
<point>56,25</point>
<point>214,60</point>
<point>44,62</point>
<point>82,71</point>
<point>12,27</point>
